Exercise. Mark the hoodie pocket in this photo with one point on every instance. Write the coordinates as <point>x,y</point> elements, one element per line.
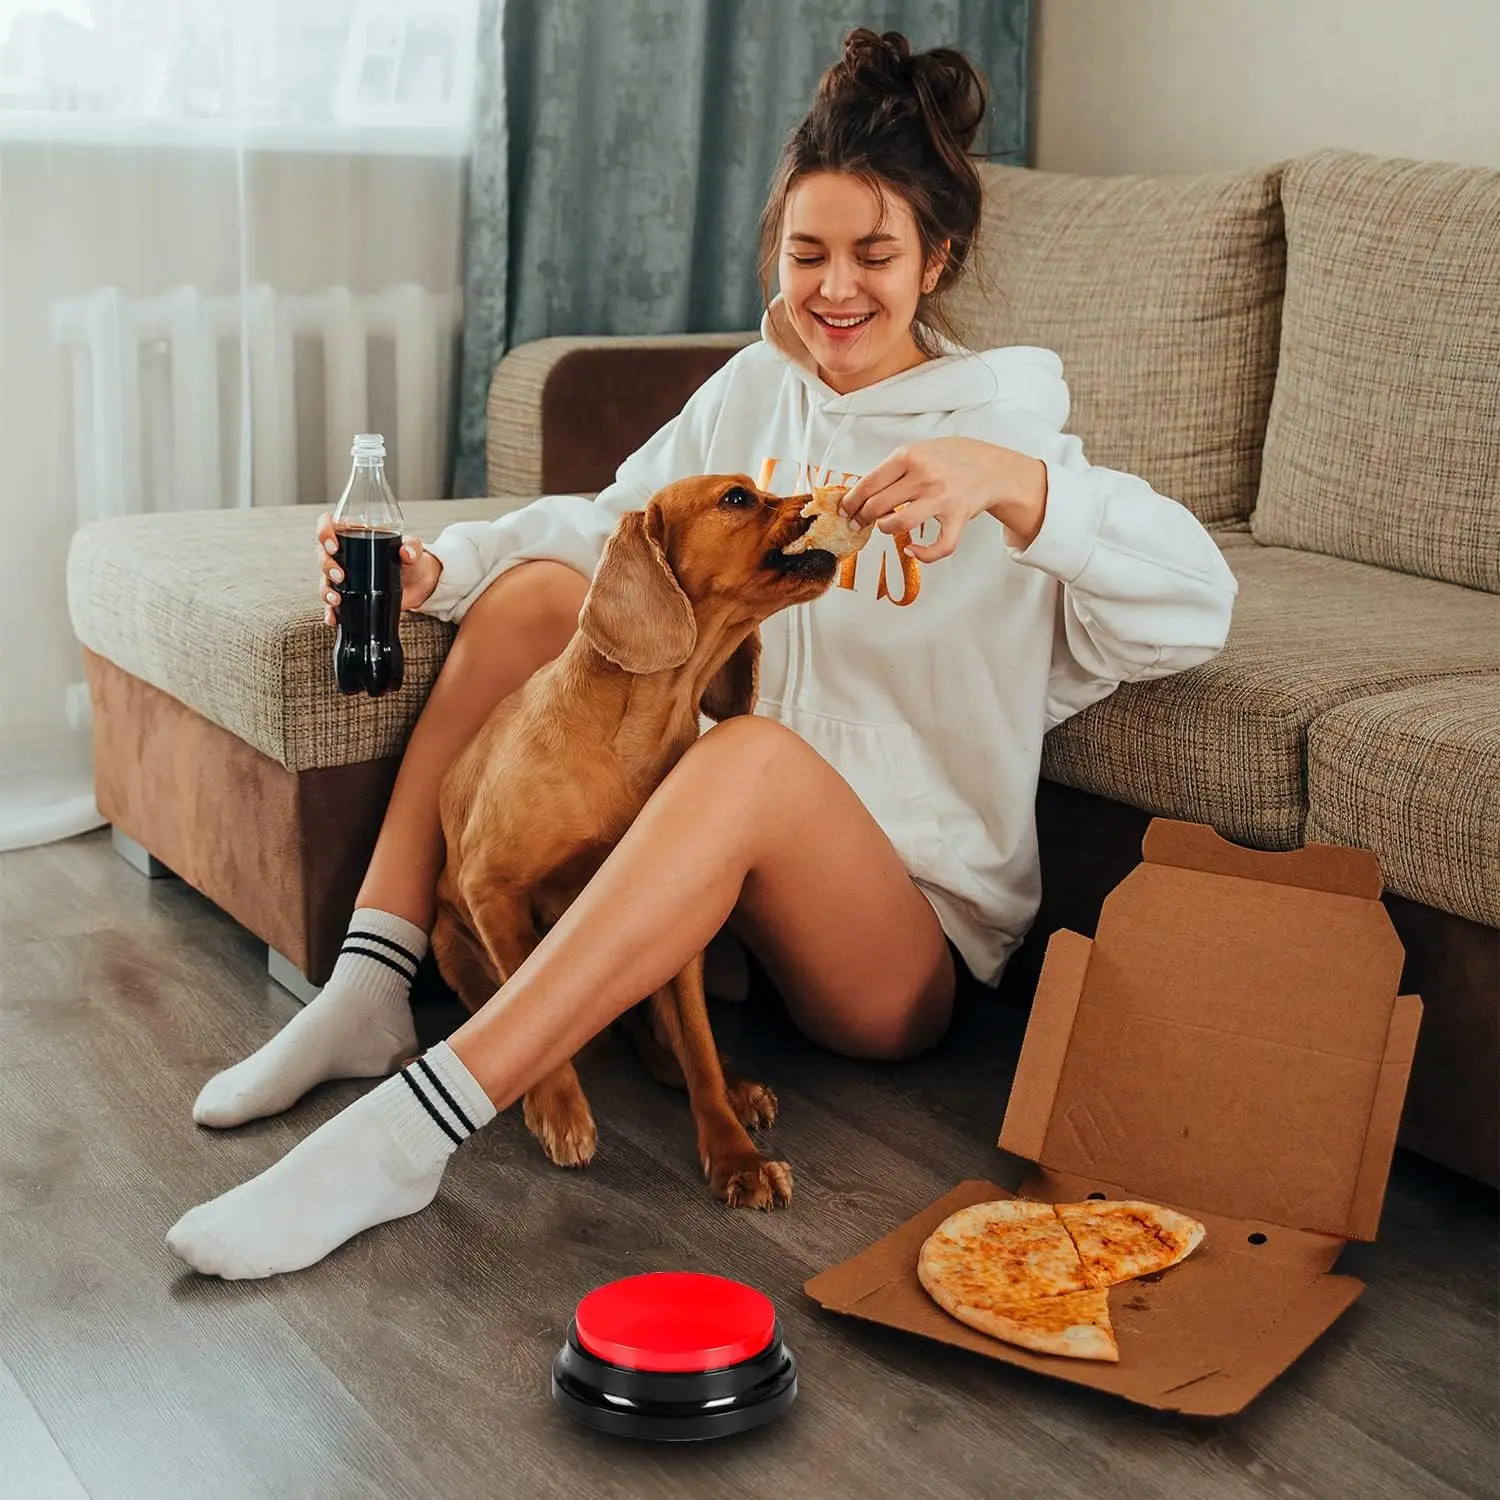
<point>880,762</point>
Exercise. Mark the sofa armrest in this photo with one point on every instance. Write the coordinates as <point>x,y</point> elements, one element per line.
<point>564,413</point>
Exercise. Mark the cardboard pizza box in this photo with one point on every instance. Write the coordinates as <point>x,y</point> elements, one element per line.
<point>1231,1044</point>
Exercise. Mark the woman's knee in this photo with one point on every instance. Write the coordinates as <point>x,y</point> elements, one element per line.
<point>759,769</point>
<point>906,1034</point>
<point>752,742</point>
<point>894,1027</point>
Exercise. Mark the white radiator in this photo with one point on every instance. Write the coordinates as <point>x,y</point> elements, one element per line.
<point>131,355</point>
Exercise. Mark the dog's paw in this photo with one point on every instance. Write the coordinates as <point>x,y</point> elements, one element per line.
<point>754,1105</point>
<point>752,1182</point>
<point>566,1131</point>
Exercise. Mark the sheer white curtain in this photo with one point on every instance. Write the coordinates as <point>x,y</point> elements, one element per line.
<point>225,226</point>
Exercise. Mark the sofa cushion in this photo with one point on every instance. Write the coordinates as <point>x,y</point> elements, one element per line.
<point>220,609</point>
<point>1225,743</point>
<point>1384,438</point>
<point>1162,295</point>
<point>1415,776</point>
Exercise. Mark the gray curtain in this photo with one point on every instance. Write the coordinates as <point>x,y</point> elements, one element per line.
<point>622,154</point>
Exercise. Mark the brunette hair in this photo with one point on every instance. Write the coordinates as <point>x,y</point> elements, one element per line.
<point>904,122</point>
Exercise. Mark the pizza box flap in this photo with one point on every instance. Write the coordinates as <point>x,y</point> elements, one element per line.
<point>1204,1337</point>
<point>1315,867</point>
<point>1231,1039</point>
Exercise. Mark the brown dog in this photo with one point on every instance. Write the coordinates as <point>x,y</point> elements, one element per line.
<point>561,768</point>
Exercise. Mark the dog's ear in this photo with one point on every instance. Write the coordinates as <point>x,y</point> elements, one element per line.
<point>733,689</point>
<point>636,613</point>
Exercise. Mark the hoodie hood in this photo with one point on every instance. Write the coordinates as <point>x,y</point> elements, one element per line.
<point>1019,378</point>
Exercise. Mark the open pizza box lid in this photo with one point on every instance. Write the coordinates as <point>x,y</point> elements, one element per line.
<point>1230,1044</point>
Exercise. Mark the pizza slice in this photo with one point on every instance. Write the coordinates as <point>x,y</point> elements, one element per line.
<point>1118,1240</point>
<point>1073,1324</point>
<point>1010,1250</point>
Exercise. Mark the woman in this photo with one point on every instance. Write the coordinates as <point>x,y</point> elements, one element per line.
<point>886,784</point>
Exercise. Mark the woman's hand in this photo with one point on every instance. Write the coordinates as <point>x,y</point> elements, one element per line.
<point>953,479</point>
<point>420,571</point>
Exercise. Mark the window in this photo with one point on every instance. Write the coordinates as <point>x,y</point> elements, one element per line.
<point>287,74</point>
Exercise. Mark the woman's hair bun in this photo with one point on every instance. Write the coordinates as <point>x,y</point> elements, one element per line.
<point>874,60</point>
<point>945,87</point>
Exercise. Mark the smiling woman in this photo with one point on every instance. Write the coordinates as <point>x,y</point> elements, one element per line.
<point>869,830</point>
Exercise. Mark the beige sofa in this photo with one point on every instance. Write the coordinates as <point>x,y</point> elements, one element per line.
<point>1307,356</point>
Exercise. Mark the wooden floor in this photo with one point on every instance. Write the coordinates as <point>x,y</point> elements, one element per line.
<point>414,1362</point>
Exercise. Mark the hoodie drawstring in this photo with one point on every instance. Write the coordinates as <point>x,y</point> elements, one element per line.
<point>797,632</point>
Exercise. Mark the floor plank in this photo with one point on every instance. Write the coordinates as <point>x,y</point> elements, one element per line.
<point>34,1464</point>
<point>414,1361</point>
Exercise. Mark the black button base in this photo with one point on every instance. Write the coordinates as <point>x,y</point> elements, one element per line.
<point>674,1408</point>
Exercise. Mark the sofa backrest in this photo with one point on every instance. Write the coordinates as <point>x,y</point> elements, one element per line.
<point>1162,295</point>
<point>1384,438</point>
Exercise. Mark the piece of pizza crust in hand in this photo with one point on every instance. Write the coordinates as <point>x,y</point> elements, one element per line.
<point>831,530</point>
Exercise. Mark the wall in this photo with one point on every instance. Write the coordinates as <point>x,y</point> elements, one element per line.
<point>1192,85</point>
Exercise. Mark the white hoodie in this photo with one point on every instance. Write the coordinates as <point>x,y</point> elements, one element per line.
<point>928,691</point>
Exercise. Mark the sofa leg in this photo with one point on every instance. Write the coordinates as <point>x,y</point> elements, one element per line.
<point>290,977</point>
<point>137,857</point>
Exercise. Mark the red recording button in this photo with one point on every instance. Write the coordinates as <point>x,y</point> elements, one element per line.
<point>675,1321</point>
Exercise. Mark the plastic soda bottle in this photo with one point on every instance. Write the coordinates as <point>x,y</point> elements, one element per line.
<point>368,525</point>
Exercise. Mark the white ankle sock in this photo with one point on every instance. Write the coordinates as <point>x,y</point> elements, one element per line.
<point>381,1158</point>
<point>359,1026</point>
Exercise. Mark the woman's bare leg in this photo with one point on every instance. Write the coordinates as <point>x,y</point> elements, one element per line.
<point>750,822</point>
<point>521,622</point>
<point>361,1026</point>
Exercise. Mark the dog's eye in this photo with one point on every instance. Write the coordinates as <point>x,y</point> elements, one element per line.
<point>737,496</point>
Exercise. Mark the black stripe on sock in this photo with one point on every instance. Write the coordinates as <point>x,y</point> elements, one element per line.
<point>432,1109</point>
<point>452,1103</point>
<point>380,958</point>
<point>385,942</point>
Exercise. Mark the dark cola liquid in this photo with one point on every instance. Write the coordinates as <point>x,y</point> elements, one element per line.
<point>367,652</point>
